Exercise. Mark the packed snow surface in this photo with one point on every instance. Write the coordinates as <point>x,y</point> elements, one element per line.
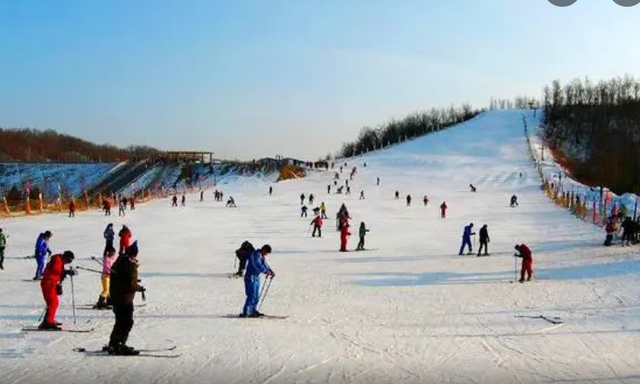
<point>410,310</point>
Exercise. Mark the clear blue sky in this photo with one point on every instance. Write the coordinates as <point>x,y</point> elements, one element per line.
<point>249,78</point>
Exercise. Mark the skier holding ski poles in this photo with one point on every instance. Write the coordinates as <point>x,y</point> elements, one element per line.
<point>527,261</point>
<point>256,265</point>
<point>51,285</point>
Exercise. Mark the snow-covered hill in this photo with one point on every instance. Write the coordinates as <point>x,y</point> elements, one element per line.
<point>410,310</point>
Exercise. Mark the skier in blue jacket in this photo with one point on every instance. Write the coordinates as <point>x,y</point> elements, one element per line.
<point>41,252</point>
<point>466,239</point>
<point>256,265</point>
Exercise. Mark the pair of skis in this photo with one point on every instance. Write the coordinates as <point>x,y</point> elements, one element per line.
<point>158,352</point>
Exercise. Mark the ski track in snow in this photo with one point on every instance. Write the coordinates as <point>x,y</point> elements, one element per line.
<point>409,311</point>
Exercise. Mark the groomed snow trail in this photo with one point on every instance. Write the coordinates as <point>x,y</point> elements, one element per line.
<point>409,311</point>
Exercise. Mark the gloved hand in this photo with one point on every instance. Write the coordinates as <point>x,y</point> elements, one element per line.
<point>271,274</point>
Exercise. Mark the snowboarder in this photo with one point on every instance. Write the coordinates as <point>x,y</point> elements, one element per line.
<point>484,240</point>
<point>243,253</point>
<point>256,265</point>
<point>174,201</point>
<point>3,245</point>
<point>344,234</point>
<point>123,287</point>
<point>302,196</point>
<point>473,189</point>
<point>303,211</point>
<point>121,208</point>
<point>125,239</point>
<point>362,195</point>
<point>311,198</point>
<point>72,209</point>
<point>109,257</point>
<point>317,226</point>
<point>425,200</point>
<point>466,239</point>
<point>231,202</point>
<point>109,235</point>
<point>408,200</point>
<point>514,201</point>
<point>42,250</point>
<point>443,210</point>
<point>527,261</point>
<point>51,286</point>
<point>362,231</point>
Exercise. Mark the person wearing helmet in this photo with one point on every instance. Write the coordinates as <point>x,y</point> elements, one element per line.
<point>256,265</point>
<point>524,252</point>
<point>122,288</point>
<point>41,252</point>
<point>51,286</point>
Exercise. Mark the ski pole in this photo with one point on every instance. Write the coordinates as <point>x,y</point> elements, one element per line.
<point>515,268</point>
<point>42,316</point>
<point>266,291</point>
<point>97,261</point>
<point>90,270</point>
<point>73,301</point>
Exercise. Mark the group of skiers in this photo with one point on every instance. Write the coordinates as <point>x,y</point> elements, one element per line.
<point>119,279</point>
<point>630,230</point>
<point>122,202</point>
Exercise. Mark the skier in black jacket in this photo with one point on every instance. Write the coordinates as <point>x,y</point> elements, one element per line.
<point>484,240</point>
<point>123,287</point>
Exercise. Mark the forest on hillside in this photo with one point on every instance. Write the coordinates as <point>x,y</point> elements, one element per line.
<point>49,146</point>
<point>412,126</point>
<point>595,128</point>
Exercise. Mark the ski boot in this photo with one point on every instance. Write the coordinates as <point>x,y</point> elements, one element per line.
<point>121,350</point>
<point>101,304</point>
<point>44,326</point>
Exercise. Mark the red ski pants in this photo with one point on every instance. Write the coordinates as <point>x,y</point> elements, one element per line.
<point>527,267</point>
<point>343,242</point>
<point>51,298</point>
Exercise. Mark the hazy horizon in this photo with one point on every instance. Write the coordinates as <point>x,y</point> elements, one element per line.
<point>287,78</point>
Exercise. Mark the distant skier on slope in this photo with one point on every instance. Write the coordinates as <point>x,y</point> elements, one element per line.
<point>362,231</point>
<point>302,197</point>
<point>466,239</point>
<point>484,240</point>
<point>174,201</point>
<point>51,286</point>
<point>303,211</point>
<point>408,200</point>
<point>270,190</point>
<point>311,198</point>
<point>72,209</point>
<point>231,202</point>
<point>443,210</point>
<point>183,202</point>
<point>425,200</point>
<point>473,189</point>
<point>323,210</point>
<point>397,195</point>
<point>317,226</point>
<point>256,265</point>
<point>41,252</point>
<point>3,245</point>
<point>514,201</point>
<point>361,195</point>
<point>527,261</point>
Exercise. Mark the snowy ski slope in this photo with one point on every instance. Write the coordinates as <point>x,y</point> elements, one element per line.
<point>409,311</point>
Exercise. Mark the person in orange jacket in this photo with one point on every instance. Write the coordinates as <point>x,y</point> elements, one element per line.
<point>51,285</point>
<point>125,239</point>
<point>344,234</point>
<point>317,226</point>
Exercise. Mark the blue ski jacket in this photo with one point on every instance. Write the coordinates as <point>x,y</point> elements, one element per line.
<point>256,264</point>
<point>42,248</point>
<point>467,232</point>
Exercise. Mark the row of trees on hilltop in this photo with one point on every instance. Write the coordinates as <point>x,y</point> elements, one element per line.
<point>412,126</point>
<point>31,145</point>
<point>597,127</point>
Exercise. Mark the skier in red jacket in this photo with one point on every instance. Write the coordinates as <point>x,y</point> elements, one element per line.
<point>317,226</point>
<point>51,286</point>
<point>527,261</point>
<point>125,239</point>
<point>344,233</point>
